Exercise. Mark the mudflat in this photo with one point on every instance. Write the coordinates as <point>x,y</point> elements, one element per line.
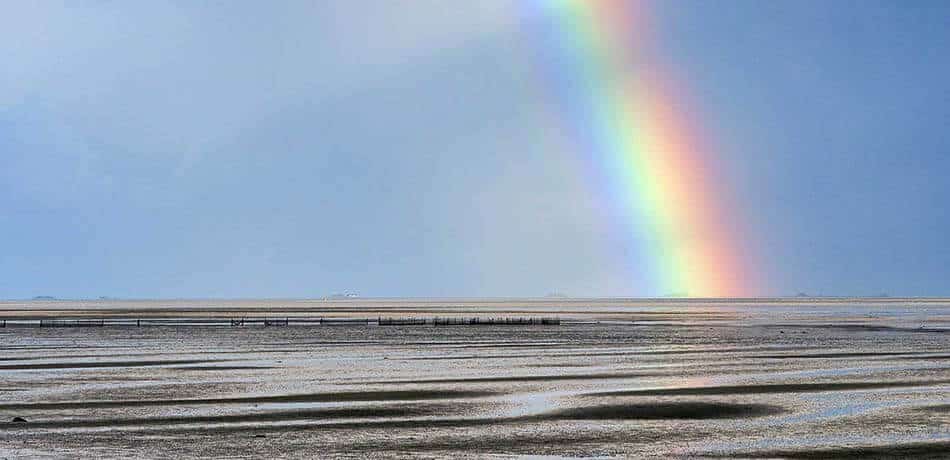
<point>815,378</point>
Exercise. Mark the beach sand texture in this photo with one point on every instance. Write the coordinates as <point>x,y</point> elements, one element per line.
<point>810,378</point>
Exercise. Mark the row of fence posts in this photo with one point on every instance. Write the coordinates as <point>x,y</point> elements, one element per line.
<point>72,323</point>
<point>268,322</point>
<point>475,321</point>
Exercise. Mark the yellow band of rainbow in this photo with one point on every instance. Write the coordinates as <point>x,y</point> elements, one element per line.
<point>634,126</point>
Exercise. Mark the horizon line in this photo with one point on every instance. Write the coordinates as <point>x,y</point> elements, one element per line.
<point>487,298</point>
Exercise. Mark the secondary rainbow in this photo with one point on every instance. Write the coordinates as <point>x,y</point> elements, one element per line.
<point>628,117</point>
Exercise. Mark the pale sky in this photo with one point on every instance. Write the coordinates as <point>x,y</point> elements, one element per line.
<point>298,149</point>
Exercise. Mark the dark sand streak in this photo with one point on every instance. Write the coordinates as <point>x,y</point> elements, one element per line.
<point>927,357</point>
<point>841,355</point>
<point>302,415</point>
<point>524,378</point>
<point>655,411</point>
<point>862,327</point>
<point>347,396</point>
<point>58,347</point>
<point>596,354</point>
<point>770,388</point>
<point>221,368</point>
<point>165,353</point>
<point>938,449</point>
<point>99,364</point>
<point>658,411</point>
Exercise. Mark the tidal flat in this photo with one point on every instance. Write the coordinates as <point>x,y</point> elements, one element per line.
<point>766,378</point>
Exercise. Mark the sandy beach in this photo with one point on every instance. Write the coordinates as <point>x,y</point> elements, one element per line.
<point>812,378</point>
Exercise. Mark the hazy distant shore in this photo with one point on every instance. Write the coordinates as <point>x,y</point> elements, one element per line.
<point>901,313</point>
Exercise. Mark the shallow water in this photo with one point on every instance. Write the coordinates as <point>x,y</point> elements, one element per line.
<point>795,381</point>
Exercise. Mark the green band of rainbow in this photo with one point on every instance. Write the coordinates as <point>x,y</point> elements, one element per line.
<point>629,119</point>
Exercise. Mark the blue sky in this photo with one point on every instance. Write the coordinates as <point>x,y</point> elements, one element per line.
<point>297,149</point>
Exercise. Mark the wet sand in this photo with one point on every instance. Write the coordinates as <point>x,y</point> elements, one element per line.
<point>929,450</point>
<point>715,379</point>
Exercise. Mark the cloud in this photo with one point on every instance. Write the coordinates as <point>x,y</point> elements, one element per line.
<point>151,91</point>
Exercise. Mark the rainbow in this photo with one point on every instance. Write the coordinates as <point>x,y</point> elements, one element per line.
<point>627,116</point>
